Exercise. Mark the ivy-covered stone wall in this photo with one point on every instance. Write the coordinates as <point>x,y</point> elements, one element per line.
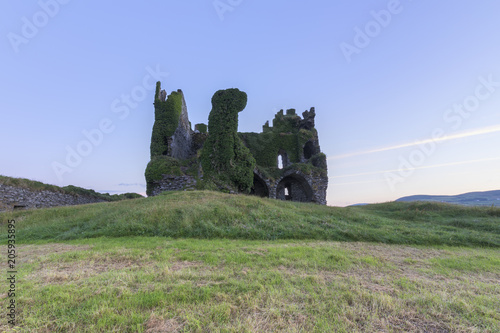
<point>167,114</point>
<point>227,163</point>
<point>217,157</point>
<point>173,143</point>
<point>292,137</point>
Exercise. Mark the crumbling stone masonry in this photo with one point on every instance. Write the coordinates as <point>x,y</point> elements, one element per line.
<point>12,197</point>
<point>284,161</point>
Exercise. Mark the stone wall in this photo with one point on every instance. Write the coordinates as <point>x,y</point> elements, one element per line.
<point>21,198</point>
<point>181,140</point>
<point>301,174</point>
<point>301,187</point>
<point>173,183</point>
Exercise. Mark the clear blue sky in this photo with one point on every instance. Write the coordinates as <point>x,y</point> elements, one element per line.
<point>383,76</point>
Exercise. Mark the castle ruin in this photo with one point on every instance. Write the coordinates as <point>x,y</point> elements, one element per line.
<point>284,161</point>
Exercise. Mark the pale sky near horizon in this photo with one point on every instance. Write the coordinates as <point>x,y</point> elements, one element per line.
<point>407,93</point>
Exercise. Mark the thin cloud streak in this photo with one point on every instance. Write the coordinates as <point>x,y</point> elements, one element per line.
<point>418,168</point>
<point>481,131</point>
<point>355,183</point>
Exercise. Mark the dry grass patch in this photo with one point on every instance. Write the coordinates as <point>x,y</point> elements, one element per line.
<point>267,321</point>
<point>180,265</point>
<point>395,254</point>
<point>156,324</point>
<point>53,273</point>
<point>413,322</point>
<point>27,254</point>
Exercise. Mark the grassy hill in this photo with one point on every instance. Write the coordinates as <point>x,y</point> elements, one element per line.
<point>205,214</point>
<point>487,198</point>
<point>213,262</point>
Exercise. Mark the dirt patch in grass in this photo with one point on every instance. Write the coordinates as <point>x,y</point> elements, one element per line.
<point>56,273</point>
<point>159,325</point>
<point>266,321</point>
<point>412,322</point>
<point>180,265</point>
<point>395,254</point>
<point>413,263</point>
<point>28,254</point>
<point>50,271</point>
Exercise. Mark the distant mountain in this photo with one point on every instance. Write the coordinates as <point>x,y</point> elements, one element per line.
<point>487,198</point>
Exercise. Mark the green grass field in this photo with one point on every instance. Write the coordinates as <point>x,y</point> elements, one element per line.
<point>212,262</point>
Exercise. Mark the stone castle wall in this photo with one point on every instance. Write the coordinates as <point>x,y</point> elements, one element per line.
<point>20,198</point>
<point>286,157</point>
<point>173,183</point>
<point>301,187</point>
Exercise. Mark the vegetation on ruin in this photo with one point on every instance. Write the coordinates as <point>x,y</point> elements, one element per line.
<point>226,161</point>
<point>166,165</point>
<point>167,115</point>
<point>159,166</point>
<point>265,147</point>
<point>274,173</point>
<point>203,128</point>
<point>285,135</point>
<point>187,262</point>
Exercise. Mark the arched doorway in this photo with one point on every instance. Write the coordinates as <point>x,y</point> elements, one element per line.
<point>294,188</point>
<point>259,188</point>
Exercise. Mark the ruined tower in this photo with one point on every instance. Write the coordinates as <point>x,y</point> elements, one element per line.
<point>290,164</point>
<point>285,159</point>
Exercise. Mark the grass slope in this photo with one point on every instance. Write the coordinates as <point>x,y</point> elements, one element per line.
<point>204,214</point>
<point>213,262</point>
